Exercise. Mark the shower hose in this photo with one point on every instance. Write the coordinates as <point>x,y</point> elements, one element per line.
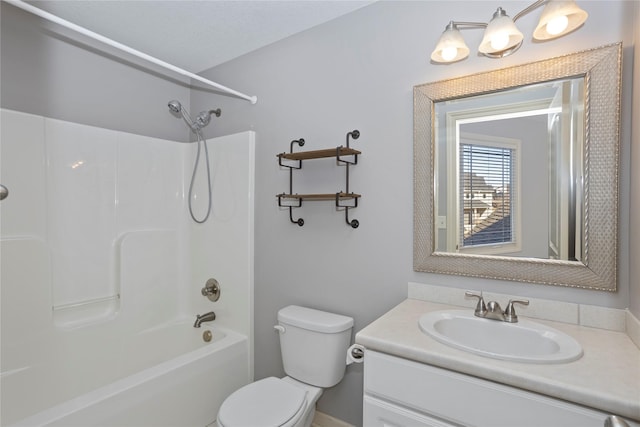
<point>201,141</point>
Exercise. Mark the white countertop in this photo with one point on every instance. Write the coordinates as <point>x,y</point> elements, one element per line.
<point>606,377</point>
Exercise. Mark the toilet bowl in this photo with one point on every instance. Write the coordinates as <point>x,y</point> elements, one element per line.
<point>313,344</point>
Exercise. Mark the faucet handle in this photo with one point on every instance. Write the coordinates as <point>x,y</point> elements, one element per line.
<point>481,308</point>
<point>510,313</point>
<point>211,290</point>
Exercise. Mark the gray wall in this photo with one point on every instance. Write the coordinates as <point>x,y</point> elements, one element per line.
<point>357,72</point>
<point>49,71</point>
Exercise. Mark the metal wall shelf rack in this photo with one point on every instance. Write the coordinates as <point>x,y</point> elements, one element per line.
<point>345,156</point>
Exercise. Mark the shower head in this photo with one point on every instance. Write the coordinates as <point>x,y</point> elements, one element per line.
<point>175,106</point>
<point>204,117</point>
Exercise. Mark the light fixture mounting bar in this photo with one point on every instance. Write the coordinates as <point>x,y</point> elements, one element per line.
<point>464,24</point>
<point>533,6</point>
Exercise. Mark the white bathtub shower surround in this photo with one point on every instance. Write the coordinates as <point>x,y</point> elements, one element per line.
<point>222,248</point>
<point>102,270</point>
<point>168,376</point>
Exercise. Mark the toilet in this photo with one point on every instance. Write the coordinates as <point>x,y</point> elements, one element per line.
<point>314,344</point>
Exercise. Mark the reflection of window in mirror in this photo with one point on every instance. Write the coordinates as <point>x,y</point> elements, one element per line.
<point>488,191</point>
<point>530,211</point>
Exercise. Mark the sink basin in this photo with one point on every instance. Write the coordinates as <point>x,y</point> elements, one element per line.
<point>524,341</point>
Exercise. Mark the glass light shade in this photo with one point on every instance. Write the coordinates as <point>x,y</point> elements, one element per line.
<point>451,46</point>
<point>552,15</point>
<point>501,37</point>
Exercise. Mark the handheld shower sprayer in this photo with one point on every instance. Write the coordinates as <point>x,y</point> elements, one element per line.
<point>175,106</point>
<point>196,126</point>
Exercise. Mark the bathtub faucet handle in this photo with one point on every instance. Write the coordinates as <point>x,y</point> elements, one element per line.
<point>207,317</point>
<point>211,290</point>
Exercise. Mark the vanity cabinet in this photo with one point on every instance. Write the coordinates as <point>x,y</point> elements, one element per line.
<point>399,392</point>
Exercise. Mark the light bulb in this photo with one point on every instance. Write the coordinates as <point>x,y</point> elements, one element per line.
<point>449,53</point>
<point>451,46</point>
<point>557,25</point>
<point>499,41</point>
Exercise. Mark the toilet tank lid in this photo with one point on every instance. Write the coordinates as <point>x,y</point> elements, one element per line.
<point>314,320</point>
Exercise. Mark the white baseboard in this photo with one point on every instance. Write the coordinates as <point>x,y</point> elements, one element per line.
<point>323,420</point>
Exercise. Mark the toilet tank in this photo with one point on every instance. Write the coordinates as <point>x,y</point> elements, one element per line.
<point>314,344</point>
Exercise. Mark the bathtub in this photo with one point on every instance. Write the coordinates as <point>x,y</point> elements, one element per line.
<point>162,376</point>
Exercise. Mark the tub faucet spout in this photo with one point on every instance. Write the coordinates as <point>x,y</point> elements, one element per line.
<point>207,317</point>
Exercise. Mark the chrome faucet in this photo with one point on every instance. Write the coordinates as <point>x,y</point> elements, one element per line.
<point>492,309</point>
<point>207,317</point>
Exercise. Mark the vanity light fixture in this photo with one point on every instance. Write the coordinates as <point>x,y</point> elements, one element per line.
<point>502,37</point>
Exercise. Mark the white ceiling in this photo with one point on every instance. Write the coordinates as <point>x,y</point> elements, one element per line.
<point>197,35</point>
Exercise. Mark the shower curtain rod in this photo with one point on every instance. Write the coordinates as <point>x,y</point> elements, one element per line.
<point>53,18</point>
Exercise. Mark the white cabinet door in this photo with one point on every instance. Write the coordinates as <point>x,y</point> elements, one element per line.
<point>378,413</point>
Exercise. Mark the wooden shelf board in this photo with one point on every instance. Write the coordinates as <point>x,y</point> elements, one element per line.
<point>319,154</point>
<point>328,196</point>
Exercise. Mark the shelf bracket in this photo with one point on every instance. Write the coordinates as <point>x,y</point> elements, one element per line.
<point>353,223</point>
<point>300,142</point>
<point>355,134</point>
<point>298,221</point>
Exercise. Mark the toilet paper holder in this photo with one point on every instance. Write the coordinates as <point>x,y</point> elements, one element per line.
<point>357,353</point>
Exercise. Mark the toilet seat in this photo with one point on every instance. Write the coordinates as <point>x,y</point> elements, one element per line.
<point>269,402</point>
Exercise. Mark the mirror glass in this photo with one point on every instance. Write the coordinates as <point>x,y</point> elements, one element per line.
<point>508,172</point>
<point>516,172</point>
